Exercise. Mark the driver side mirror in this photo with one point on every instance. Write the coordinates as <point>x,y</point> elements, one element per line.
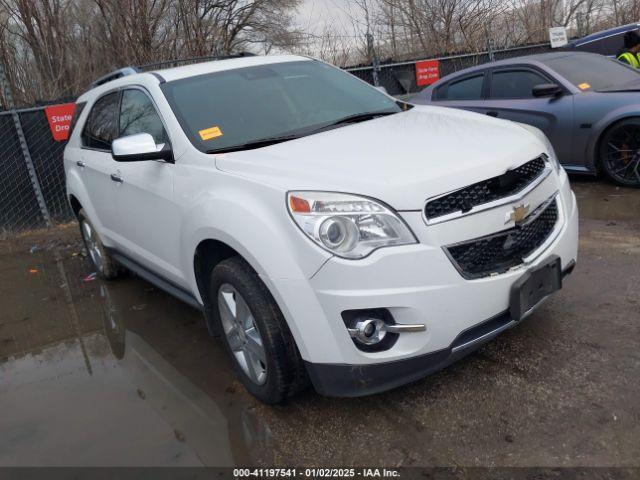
<point>547,90</point>
<point>140,147</point>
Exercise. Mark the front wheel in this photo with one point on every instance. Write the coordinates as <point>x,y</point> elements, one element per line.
<point>620,153</point>
<point>256,335</point>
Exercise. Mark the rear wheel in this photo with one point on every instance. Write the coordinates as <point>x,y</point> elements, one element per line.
<point>620,153</point>
<point>105,266</point>
<point>255,333</point>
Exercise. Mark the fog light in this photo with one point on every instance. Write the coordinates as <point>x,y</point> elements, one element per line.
<point>369,331</point>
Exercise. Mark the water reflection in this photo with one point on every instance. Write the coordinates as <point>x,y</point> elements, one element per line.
<point>220,432</point>
<point>117,374</point>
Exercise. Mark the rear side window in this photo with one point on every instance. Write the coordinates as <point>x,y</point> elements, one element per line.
<point>102,124</point>
<point>469,88</point>
<point>74,121</point>
<point>515,83</point>
<point>138,115</point>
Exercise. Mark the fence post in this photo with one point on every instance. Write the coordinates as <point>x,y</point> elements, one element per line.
<point>374,59</point>
<point>26,154</point>
<point>489,40</point>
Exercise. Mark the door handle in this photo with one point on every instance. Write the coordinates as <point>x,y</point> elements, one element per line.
<point>80,163</point>
<point>116,178</point>
<point>491,113</point>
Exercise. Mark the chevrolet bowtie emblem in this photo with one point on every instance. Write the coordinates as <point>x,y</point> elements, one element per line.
<point>518,214</point>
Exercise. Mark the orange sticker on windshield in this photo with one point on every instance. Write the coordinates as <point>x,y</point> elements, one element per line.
<point>584,86</point>
<point>210,133</point>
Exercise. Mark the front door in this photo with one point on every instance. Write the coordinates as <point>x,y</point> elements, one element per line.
<point>148,218</point>
<point>511,98</point>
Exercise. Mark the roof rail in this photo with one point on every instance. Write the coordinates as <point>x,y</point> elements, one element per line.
<point>191,60</point>
<point>123,72</point>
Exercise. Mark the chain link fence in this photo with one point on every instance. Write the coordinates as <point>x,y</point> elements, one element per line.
<point>32,183</point>
<point>399,78</point>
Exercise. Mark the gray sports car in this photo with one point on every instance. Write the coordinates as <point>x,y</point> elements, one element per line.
<point>587,104</point>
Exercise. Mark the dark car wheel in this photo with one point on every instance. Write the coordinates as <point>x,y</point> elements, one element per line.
<point>620,153</point>
<point>256,335</point>
<point>105,266</point>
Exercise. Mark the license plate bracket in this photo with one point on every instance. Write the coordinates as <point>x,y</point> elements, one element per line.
<point>536,284</point>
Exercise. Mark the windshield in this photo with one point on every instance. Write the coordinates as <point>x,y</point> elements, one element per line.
<point>223,110</point>
<point>595,72</point>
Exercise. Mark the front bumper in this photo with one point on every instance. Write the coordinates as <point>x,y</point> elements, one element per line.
<point>339,380</point>
<point>417,284</point>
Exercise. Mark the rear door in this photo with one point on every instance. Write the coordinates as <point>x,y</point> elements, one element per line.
<point>96,164</point>
<point>510,97</point>
<point>466,92</point>
<point>148,218</point>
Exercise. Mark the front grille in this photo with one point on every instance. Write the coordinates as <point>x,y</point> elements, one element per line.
<point>505,185</point>
<point>499,252</point>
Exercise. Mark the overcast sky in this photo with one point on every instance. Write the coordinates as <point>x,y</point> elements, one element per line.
<point>314,15</point>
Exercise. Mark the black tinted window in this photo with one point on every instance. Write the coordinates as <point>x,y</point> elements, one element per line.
<point>515,83</point>
<point>595,72</point>
<point>102,123</point>
<point>467,89</point>
<point>138,115</point>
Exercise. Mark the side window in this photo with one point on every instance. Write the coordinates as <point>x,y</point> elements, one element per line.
<point>102,124</point>
<point>469,88</point>
<point>138,115</point>
<point>74,121</point>
<point>515,83</point>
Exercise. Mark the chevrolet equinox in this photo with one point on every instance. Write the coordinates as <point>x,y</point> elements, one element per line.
<point>329,233</point>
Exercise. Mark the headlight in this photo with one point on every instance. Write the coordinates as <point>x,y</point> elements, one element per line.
<point>553,158</point>
<point>551,154</point>
<point>347,225</point>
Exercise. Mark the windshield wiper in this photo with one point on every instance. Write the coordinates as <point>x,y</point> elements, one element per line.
<point>262,142</point>
<point>358,117</point>
<point>265,142</point>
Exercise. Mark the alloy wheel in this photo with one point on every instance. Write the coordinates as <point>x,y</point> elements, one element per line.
<point>242,333</point>
<point>93,247</point>
<point>621,155</point>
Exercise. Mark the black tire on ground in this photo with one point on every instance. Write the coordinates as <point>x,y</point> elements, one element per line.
<point>285,371</point>
<point>107,268</point>
<point>619,152</point>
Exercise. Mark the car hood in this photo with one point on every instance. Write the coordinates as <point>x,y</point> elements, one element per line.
<point>401,159</point>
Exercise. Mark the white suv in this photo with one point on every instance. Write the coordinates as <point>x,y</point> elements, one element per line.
<point>327,231</point>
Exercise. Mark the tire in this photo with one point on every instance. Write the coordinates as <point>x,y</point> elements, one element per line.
<point>619,153</point>
<point>240,298</point>
<point>105,266</point>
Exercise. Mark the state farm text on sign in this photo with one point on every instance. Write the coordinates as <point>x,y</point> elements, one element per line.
<point>427,72</point>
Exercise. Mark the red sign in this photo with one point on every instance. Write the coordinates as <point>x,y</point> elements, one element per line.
<point>59,117</point>
<point>427,72</point>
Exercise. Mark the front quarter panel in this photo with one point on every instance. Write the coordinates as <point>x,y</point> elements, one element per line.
<point>252,219</point>
<point>249,217</point>
<point>594,113</point>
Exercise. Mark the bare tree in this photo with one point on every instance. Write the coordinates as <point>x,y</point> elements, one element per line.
<point>55,48</point>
